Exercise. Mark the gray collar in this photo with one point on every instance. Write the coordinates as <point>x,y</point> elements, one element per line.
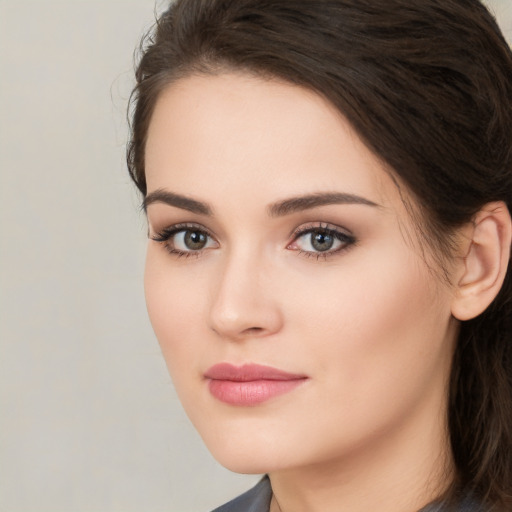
<point>258,499</point>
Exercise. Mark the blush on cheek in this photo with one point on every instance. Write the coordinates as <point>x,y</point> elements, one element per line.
<point>173,310</point>
<point>379,319</point>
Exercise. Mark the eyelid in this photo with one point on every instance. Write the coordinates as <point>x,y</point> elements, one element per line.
<point>343,235</point>
<point>164,236</point>
<point>180,226</point>
<point>327,226</point>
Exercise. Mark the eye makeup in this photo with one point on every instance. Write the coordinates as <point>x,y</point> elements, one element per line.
<point>318,239</point>
<point>185,239</point>
<point>321,240</point>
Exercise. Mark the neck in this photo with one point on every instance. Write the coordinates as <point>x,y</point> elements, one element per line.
<point>401,471</point>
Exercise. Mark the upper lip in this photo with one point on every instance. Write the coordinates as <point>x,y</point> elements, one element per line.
<point>248,373</point>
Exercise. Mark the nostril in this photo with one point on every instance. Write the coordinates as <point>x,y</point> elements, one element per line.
<point>253,330</point>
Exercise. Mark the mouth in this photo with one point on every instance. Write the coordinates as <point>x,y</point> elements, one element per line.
<point>250,384</point>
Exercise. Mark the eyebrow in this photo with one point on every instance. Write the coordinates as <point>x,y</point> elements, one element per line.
<point>177,200</point>
<point>277,209</point>
<point>300,203</point>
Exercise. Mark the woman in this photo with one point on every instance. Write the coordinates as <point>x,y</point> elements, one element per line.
<point>328,187</point>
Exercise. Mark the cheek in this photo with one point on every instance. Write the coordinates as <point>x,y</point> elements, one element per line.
<point>174,302</point>
<point>370,335</point>
<point>373,330</point>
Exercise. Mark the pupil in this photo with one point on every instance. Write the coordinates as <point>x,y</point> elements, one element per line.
<point>322,241</point>
<point>195,240</point>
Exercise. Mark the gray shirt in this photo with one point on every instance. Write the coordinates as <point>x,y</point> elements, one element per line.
<point>258,499</point>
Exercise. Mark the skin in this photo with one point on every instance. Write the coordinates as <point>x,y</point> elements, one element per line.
<point>369,325</point>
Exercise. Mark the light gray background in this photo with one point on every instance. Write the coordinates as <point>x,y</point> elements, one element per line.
<point>89,421</point>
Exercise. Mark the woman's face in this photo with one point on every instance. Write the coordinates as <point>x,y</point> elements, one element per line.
<point>295,312</point>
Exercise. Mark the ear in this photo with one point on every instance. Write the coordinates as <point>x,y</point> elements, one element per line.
<point>484,266</point>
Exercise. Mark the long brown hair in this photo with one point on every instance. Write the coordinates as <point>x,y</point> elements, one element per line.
<point>427,84</point>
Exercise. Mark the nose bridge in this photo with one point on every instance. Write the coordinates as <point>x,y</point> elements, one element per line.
<point>242,301</point>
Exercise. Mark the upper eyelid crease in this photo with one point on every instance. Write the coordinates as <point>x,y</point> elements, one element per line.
<point>176,228</point>
<point>320,226</point>
<point>165,233</point>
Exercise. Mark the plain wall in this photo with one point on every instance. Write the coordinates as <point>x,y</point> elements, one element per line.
<point>89,421</point>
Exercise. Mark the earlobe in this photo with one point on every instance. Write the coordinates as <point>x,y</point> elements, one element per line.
<point>485,264</point>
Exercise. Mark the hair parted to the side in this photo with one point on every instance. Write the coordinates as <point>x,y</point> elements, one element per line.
<point>427,84</point>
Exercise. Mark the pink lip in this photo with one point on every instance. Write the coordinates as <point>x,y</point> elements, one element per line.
<point>250,384</point>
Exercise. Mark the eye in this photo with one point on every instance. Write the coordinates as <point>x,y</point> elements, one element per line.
<point>321,240</point>
<point>185,240</point>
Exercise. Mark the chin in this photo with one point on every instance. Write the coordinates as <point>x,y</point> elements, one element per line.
<point>249,463</point>
<point>245,466</point>
<point>241,458</point>
<point>243,450</point>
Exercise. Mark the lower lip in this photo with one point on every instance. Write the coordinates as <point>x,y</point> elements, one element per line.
<point>250,393</point>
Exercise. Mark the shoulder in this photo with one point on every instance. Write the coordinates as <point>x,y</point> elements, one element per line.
<point>256,499</point>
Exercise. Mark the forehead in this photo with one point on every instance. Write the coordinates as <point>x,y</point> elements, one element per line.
<point>242,136</point>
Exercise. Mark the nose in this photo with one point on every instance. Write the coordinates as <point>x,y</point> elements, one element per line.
<point>244,302</point>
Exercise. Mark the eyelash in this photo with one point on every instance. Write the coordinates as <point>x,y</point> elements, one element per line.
<point>166,234</point>
<point>344,238</point>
